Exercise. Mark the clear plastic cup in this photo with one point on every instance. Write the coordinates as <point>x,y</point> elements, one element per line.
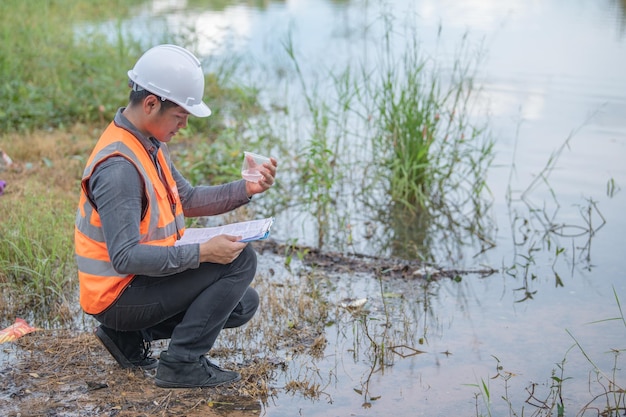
<point>251,164</point>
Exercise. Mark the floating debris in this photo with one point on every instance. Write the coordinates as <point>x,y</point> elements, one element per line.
<point>379,265</point>
<point>426,271</point>
<point>352,303</point>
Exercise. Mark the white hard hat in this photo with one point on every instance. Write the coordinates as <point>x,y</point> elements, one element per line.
<point>172,73</point>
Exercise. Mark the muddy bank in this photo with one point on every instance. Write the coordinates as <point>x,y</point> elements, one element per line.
<point>61,373</point>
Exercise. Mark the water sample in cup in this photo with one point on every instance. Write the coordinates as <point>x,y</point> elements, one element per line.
<point>252,163</point>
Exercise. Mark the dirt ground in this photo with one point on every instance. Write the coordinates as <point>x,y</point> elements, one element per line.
<point>64,373</point>
<point>57,373</point>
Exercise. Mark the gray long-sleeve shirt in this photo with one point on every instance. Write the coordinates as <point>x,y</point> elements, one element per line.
<point>116,188</point>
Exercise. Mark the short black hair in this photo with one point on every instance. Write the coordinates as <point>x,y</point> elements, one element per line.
<point>136,97</point>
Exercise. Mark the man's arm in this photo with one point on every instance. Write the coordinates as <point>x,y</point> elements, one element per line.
<point>209,200</point>
<point>117,190</point>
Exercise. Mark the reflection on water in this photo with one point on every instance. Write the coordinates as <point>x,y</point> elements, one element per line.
<point>411,233</point>
<point>621,5</point>
<point>440,237</point>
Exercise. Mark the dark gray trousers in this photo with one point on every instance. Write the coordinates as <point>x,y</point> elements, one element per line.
<point>191,308</point>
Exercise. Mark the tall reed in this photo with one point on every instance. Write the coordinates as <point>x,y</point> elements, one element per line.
<point>430,146</point>
<point>317,170</point>
<point>406,132</point>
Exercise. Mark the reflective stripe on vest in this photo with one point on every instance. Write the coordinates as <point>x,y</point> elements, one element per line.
<point>162,224</point>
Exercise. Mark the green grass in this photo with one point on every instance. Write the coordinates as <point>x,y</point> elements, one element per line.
<point>50,76</point>
<point>37,268</point>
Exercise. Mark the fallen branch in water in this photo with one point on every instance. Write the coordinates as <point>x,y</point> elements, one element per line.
<point>385,266</point>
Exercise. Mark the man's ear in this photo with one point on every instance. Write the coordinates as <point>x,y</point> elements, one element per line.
<point>151,104</point>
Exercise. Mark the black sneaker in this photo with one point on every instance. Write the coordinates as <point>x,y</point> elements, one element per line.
<point>128,348</point>
<point>174,374</point>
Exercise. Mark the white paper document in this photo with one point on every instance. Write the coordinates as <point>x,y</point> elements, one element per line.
<point>249,231</point>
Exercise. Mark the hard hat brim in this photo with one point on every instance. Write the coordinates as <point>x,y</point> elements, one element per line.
<point>199,110</point>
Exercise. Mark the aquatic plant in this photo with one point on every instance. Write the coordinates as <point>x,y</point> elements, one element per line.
<point>432,156</point>
<point>609,397</point>
<point>606,387</point>
<point>317,169</point>
<point>537,228</point>
<point>404,135</point>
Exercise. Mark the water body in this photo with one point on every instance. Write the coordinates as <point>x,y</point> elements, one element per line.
<point>553,76</point>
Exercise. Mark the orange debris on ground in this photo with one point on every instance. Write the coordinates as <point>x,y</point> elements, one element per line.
<point>16,330</point>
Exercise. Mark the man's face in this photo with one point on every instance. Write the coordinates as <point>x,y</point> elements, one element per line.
<point>164,124</point>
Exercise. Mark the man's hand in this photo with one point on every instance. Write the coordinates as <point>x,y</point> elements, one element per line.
<point>268,171</point>
<point>222,249</point>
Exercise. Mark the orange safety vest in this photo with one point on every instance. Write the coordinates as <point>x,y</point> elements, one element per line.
<point>162,223</point>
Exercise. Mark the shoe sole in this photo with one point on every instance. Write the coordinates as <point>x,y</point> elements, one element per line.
<point>117,354</point>
<point>166,384</point>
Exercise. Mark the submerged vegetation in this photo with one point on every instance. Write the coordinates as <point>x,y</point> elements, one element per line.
<point>606,384</point>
